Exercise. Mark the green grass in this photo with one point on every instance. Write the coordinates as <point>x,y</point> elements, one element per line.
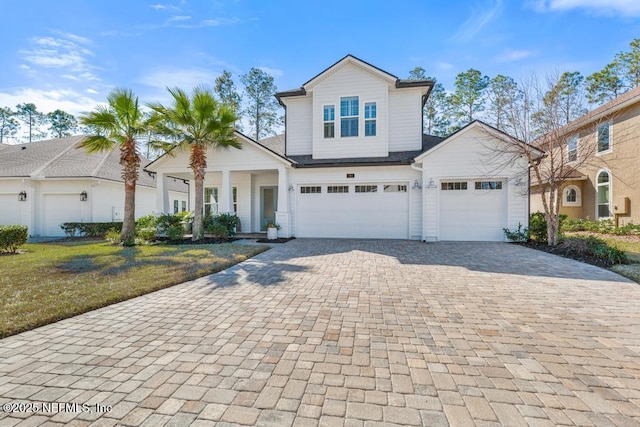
<point>54,281</point>
<point>632,248</point>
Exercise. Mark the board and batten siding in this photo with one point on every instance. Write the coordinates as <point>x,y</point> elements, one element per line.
<point>363,175</point>
<point>470,155</point>
<point>350,80</point>
<point>405,120</point>
<point>299,141</point>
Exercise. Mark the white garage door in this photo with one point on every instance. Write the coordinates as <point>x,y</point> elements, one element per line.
<point>59,208</point>
<point>473,210</point>
<point>10,209</point>
<point>353,210</point>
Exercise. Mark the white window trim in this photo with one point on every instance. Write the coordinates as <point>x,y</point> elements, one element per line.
<point>324,122</point>
<point>600,153</point>
<point>358,116</point>
<point>577,147</point>
<point>610,193</point>
<point>364,119</point>
<point>578,201</point>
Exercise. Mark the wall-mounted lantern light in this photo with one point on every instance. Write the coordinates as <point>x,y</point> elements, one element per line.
<point>83,196</point>
<point>22,196</point>
<point>291,188</point>
<point>416,185</point>
<point>432,184</point>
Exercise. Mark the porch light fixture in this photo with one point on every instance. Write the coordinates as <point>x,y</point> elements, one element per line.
<point>83,196</point>
<point>22,196</point>
<point>432,184</point>
<point>291,188</point>
<point>416,185</point>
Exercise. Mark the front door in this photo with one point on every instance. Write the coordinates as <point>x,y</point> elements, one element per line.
<point>268,205</point>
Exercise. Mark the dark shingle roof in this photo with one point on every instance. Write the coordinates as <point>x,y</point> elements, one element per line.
<point>274,143</point>
<point>64,158</point>
<point>394,158</point>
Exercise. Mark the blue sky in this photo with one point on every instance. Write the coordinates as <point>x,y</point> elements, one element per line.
<point>69,54</point>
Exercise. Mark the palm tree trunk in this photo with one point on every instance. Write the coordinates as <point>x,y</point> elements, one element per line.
<point>198,164</point>
<point>130,161</point>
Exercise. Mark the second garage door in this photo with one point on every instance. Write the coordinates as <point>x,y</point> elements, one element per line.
<point>59,208</point>
<point>367,210</point>
<point>473,210</point>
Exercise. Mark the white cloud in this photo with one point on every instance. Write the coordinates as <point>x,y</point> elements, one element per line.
<point>480,17</point>
<point>605,7</point>
<point>68,52</point>
<point>92,91</point>
<point>445,66</point>
<point>273,72</point>
<point>179,18</point>
<point>514,55</point>
<point>49,100</point>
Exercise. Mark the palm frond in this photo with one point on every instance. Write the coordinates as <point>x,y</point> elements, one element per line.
<point>96,143</point>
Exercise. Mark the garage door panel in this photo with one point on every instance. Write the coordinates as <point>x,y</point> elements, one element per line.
<point>57,209</point>
<point>10,210</point>
<point>376,214</point>
<point>473,215</point>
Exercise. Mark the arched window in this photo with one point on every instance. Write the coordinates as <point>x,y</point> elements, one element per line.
<point>571,196</point>
<point>603,184</point>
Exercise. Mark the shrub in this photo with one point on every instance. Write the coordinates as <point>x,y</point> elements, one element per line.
<point>147,221</point>
<point>12,237</point>
<point>147,233</point>
<point>90,229</point>
<point>229,221</point>
<point>175,232</point>
<point>184,216</point>
<point>538,226</point>
<point>167,221</point>
<point>609,254</point>
<point>519,235</point>
<point>113,236</point>
<point>217,230</point>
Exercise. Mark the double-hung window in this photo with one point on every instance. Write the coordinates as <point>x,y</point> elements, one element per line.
<point>210,201</point>
<point>370,116</point>
<point>349,111</point>
<point>604,140</point>
<point>329,121</point>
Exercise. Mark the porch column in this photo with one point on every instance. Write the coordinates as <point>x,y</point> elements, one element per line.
<point>225,204</point>
<point>282,213</point>
<point>162,193</point>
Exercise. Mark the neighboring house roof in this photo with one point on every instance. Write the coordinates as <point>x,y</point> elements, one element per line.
<point>65,158</point>
<point>399,83</point>
<point>394,158</point>
<point>569,173</point>
<point>274,143</point>
<point>627,99</point>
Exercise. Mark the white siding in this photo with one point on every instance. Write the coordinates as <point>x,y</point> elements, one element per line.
<point>405,120</point>
<point>350,80</point>
<point>12,211</point>
<point>299,133</point>
<point>471,154</point>
<point>389,174</point>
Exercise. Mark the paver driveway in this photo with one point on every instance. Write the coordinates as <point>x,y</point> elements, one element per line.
<point>348,332</point>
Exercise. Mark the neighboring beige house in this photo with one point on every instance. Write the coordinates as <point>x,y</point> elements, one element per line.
<point>46,183</point>
<point>603,156</point>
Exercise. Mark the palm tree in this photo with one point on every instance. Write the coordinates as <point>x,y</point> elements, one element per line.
<point>117,125</point>
<point>196,123</point>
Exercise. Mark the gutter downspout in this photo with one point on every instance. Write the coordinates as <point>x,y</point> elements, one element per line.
<point>421,170</point>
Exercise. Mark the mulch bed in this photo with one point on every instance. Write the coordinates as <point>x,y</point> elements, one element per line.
<point>278,240</point>
<point>188,241</point>
<point>570,248</point>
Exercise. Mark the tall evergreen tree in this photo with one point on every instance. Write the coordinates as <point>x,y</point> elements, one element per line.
<point>61,123</point>
<point>226,91</point>
<point>469,97</point>
<point>434,116</point>
<point>501,92</point>
<point>8,125</point>
<point>28,113</point>
<point>262,107</point>
<point>606,84</point>
<point>630,64</point>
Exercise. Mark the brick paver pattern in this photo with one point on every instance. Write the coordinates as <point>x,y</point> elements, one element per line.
<point>348,333</point>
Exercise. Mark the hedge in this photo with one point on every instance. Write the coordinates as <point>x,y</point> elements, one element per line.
<point>12,237</point>
<point>90,229</point>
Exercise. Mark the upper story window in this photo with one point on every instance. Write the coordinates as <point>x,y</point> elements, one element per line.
<point>370,116</point>
<point>604,138</point>
<point>329,121</point>
<point>349,111</point>
<point>572,149</point>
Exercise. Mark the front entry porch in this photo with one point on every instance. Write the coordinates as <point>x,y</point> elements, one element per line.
<point>257,196</point>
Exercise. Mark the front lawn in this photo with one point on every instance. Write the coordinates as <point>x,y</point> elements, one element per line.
<point>54,281</point>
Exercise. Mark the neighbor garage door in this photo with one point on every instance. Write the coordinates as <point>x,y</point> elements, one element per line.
<point>473,210</point>
<point>10,209</point>
<point>367,210</point>
<point>59,208</point>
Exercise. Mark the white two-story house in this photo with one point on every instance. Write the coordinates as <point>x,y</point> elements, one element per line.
<point>353,162</point>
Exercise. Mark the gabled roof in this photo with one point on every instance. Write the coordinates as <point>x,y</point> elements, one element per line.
<point>64,158</point>
<point>476,123</point>
<point>350,59</point>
